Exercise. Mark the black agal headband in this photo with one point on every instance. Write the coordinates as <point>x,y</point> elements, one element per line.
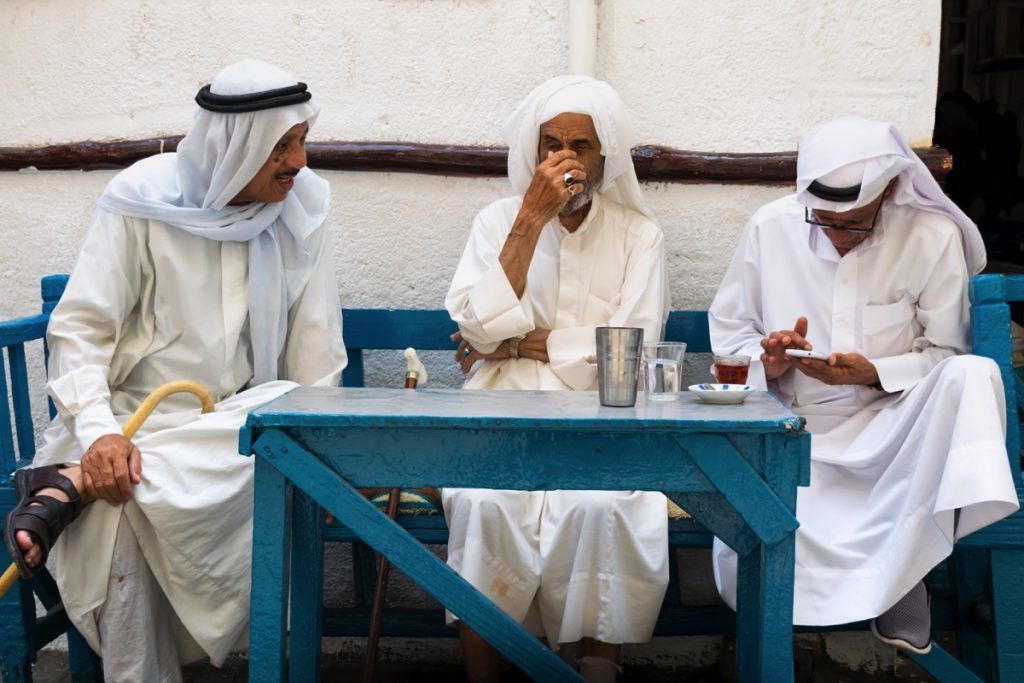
<point>834,194</point>
<point>257,101</point>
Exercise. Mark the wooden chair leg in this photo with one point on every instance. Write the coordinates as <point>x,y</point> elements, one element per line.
<point>377,609</point>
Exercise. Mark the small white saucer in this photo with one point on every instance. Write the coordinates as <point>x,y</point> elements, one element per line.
<point>721,393</point>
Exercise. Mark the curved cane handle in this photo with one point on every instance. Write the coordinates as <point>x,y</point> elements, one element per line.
<point>162,392</point>
<point>138,417</point>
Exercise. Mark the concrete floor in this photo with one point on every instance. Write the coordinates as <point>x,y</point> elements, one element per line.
<point>52,668</point>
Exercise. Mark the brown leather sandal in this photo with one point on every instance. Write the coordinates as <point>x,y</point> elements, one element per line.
<point>43,517</point>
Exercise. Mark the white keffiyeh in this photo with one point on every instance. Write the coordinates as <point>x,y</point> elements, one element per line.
<point>852,151</point>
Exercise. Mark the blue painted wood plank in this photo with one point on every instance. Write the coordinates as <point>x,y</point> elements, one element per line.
<point>732,476</point>
<point>386,328</point>
<point>270,576</point>
<point>7,455</point>
<point>986,289</point>
<point>764,614</point>
<point>51,289</point>
<point>1006,533</point>
<point>15,652</point>
<point>531,410</point>
<point>712,510</point>
<point>764,600</point>
<point>586,460</point>
<point>352,375</point>
<point>945,667</point>
<point>19,397</point>
<point>971,597</point>
<point>1008,612</point>
<point>990,334</point>
<point>415,561</point>
<point>21,330</point>
<point>431,529</point>
<point>690,327</point>
<point>307,580</point>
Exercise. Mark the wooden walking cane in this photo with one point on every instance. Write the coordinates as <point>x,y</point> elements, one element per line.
<point>415,374</point>
<point>134,422</point>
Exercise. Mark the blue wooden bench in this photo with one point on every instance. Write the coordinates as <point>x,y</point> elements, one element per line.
<point>978,594</point>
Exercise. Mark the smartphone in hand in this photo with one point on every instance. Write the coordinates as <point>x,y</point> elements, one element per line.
<point>800,353</point>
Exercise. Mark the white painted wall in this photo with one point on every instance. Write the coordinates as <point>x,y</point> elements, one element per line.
<point>710,75</point>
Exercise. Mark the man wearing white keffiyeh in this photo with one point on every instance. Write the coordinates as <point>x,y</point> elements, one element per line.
<point>575,249</point>
<point>869,263</point>
<point>211,264</point>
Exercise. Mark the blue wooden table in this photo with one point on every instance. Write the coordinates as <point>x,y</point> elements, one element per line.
<point>734,468</point>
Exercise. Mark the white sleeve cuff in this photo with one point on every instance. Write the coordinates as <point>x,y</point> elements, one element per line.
<point>568,349</point>
<point>896,373</point>
<point>498,311</point>
<point>92,423</point>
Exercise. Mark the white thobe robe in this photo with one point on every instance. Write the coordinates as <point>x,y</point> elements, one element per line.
<point>147,304</point>
<point>588,564</point>
<point>888,467</point>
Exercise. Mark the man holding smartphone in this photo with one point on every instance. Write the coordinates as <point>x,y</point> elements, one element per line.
<point>869,263</point>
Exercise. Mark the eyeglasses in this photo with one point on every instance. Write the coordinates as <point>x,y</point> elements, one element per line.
<point>809,218</point>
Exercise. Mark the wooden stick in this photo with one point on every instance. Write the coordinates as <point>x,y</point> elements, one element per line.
<point>412,378</point>
<point>379,593</point>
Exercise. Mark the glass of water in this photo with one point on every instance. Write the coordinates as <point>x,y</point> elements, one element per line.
<point>663,369</point>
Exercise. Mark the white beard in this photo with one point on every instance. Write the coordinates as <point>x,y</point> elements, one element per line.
<point>578,201</point>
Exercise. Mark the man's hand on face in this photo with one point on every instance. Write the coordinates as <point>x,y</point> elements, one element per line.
<point>548,193</point>
<point>110,468</point>
<point>774,357</point>
<point>840,368</point>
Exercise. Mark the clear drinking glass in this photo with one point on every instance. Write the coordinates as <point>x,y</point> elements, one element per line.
<point>663,369</point>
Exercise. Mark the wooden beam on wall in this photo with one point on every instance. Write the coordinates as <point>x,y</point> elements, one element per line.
<point>653,163</point>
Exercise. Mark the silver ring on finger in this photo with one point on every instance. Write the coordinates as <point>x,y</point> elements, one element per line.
<point>568,178</point>
<point>572,190</point>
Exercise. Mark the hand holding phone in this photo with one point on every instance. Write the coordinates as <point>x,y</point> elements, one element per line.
<point>800,353</point>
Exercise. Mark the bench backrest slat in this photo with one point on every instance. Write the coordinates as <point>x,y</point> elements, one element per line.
<point>430,330</point>
<point>19,431</point>
<point>6,438</point>
<point>20,398</point>
<point>990,337</point>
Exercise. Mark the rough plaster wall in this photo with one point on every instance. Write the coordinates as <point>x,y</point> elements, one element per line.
<point>749,75</point>
<point>743,75</point>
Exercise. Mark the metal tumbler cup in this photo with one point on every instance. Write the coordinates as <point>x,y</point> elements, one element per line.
<point>618,364</point>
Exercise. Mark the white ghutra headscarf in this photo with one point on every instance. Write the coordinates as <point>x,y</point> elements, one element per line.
<point>846,163</point>
<point>576,95</point>
<point>190,190</point>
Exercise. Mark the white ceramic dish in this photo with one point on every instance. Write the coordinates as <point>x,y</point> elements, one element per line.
<point>721,393</point>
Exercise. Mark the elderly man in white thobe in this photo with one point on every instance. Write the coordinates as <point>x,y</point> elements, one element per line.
<point>868,263</point>
<point>574,249</point>
<point>211,264</point>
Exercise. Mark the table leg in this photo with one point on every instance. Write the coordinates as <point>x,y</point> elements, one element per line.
<point>269,600</point>
<point>764,614</point>
<point>764,600</point>
<point>307,582</point>
<point>322,484</point>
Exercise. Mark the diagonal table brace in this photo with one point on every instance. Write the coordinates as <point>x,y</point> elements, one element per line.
<point>385,536</point>
<point>729,472</point>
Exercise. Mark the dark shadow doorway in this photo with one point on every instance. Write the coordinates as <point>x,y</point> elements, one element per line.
<point>979,118</point>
